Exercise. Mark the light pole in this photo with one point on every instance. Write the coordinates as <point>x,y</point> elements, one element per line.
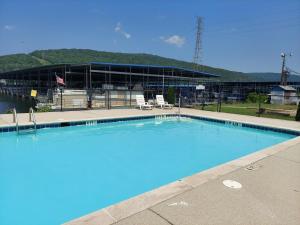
<point>61,98</point>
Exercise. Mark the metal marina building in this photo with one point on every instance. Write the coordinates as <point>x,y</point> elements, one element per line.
<point>119,82</point>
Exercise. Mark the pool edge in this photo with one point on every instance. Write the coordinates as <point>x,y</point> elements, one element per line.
<point>98,120</point>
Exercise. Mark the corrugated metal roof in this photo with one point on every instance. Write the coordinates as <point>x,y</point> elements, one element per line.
<point>157,67</point>
<point>176,69</point>
<point>287,88</point>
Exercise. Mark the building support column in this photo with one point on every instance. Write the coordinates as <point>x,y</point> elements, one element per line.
<point>130,88</point>
<point>39,82</point>
<point>90,77</point>
<point>163,82</point>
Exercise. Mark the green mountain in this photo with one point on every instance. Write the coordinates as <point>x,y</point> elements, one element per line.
<point>272,77</point>
<point>57,56</point>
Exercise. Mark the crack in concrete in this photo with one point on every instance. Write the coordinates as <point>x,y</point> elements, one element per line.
<point>105,210</point>
<point>156,213</point>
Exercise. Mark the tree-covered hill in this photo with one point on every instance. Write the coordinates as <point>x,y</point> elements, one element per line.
<point>17,61</point>
<point>272,77</point>
<point>57,56</point>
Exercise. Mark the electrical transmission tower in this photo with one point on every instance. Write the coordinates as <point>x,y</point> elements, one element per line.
<point>198,46</point>
<point>284,70</point>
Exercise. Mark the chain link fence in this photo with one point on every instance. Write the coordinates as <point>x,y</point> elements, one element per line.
<point>71,99</point>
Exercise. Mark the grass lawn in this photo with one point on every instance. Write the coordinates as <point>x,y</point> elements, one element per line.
<point>250,109</point>
<point>263,105</point>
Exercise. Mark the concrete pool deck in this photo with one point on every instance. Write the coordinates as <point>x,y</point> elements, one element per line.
<point>270,179</point>
<point>51,117</point>
<point>270,195</point>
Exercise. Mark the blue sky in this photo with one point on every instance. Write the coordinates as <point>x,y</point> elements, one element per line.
<point>239,35</point>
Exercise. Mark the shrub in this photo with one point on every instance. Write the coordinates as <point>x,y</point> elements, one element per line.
<point>9,111</point>
<point>171,95</point>
<point>254,97</point>
<point>44,109</point>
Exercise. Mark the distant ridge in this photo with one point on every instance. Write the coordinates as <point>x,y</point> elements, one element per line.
<point>56,56</point>
<point>272,77</point>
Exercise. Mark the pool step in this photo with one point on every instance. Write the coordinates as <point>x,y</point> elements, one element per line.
<point>27,131</point>
<point>161,117</point>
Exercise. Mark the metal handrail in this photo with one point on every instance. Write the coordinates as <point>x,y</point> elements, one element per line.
<point>32,117</point>
<point>179,106</point>
<point>15,119</point>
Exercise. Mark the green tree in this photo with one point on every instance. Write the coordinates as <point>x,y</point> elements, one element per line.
<point>171,95</point>
<point>254,97</point>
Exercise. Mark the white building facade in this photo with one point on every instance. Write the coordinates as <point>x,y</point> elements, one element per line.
<point>284,95</point>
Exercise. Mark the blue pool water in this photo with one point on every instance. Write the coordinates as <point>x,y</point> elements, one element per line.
<point>63,173</point>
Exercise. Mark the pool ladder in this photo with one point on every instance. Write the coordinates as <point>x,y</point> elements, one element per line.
<point>15,119</point>
<point>161,117</point>
<point>179,106</point>
<point>31,119</point>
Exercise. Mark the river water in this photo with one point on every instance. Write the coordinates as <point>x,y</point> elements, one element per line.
<point>9,102</point>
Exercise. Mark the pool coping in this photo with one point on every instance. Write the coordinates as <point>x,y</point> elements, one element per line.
<point>119,211</point>
<point>97,120</point>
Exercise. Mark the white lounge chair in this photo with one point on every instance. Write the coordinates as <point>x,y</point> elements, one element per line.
<point>77,103</point>
<point>140,101</point>
<point>160,101</point>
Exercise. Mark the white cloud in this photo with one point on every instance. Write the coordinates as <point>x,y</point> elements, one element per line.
<point>9,27</point>
<point>127,35</point>
<point>174,40</point>
<point>119,29</point>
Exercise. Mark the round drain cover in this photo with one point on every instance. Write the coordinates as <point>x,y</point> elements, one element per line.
<point>232,184</point>
<point>253,167</point>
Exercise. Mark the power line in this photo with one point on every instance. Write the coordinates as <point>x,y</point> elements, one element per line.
<point>241,28</point>
<point>258,22</point>
<point>236,32</point>
<point>292,71</point>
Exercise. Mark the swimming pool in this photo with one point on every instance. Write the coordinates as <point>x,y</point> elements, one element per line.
<point>62,173</point>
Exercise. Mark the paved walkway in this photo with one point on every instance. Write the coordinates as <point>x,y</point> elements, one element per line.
<point>6,119</point>
<point>270,194</point>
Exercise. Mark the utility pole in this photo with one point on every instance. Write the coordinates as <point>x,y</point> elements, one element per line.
<point>284,71</point>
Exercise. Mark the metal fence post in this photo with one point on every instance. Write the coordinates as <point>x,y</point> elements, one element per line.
<point>61,100</point>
